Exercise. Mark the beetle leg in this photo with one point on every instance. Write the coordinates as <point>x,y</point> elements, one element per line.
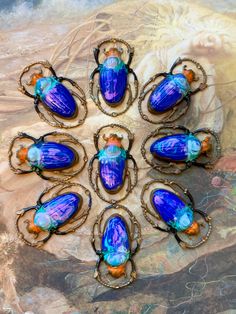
<point>131,54</point>
<point>135,168</point>
<point>91,85</point>
<point>22,211</point>
<point>176,109</point>
<point>131,71</point>
<point>96,52</point>
<point>90,171</point>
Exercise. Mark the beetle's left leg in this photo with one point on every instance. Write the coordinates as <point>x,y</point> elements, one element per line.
<point>91,85</point>
<point>176,113</point>
<point>131,71</point>
<point>39,173</point>
<point>97,273</point>
<point>90,171</point>
<point>135,168</point>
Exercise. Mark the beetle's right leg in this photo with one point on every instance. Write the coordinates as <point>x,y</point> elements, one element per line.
<point>91,85</point>
<point>90,171</point>
<point>36,104</point>
<point>22,211</point>
<point>96,52</point>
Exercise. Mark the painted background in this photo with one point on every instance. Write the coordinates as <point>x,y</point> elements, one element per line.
<point>59,278</point>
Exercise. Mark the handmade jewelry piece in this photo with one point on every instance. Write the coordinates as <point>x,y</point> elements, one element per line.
<point>113,82</point>
<point>54,156</point>
<point>113,170</point>
<point>175,148</point>
<point>119,241</point>
<point>172,205</point>
<point>63,211</point>
<point>53,101</point>
<point>171,97</point>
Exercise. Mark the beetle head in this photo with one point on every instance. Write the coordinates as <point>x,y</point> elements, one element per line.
<point>113,139</point>
<point>113,52</point>
<point>116,272</point>
<point>34,77</point>
<point>189,74</point>
<point>206,145</point>
<point>21,154</point>
<point>194,229</point>
<point>32,228</point>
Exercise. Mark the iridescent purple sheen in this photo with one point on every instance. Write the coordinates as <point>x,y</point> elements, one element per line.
<point>56,97</point>
<point>115,242</point>
<point>57,211</point>
<point>51,156</point>
<point>112,162</point>
<point>168,93</point>
<point>172,209</point>
<point>177,147</point>
<point>113,80</point>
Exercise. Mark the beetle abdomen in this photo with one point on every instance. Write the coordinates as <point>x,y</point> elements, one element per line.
<point>172,209</point>
<point>178,147</point>
<point>115,242</point>
<point>112,162</point>
<point>113,80</point>
<point>51,156</point>
<point>55,212</point>
<point>168,93</point>
<point>56,97</point>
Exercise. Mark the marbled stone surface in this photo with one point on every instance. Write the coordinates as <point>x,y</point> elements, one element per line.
<point>59,277</point>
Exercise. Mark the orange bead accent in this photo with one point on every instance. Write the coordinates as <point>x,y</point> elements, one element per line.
<point>113,139</point>
<point>113,52</point>
<point>206,145</point>
<point>194,229</point>
<point>116,272</point>
<point>189,74</point>
<point>34,78</point>
<point>32,228</point>
<point>22,154</point>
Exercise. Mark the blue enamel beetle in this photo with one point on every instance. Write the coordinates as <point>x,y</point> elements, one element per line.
<point>170,98</point>
<point>112,165</point>
<point>113,78</point>
<point>62,157</point>
<point>52,99</point>
<point>117,245</point>
<point>175,148</point>
<point>64,212</point>
<point>173,206</point>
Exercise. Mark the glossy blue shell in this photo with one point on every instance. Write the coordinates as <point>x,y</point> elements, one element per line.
<point>113,80</point>
<point>115,242</point>
<point>57,211</point>
<point>112,162</point>
<point>168,93</point>
<point>178,147</point>
<point>56,97</point>
<point>172,209</point>
<point>51,156</point>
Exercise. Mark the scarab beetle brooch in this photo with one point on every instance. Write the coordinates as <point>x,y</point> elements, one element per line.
<point>59,210</point>
<point>113,83</point>
<point>54,102</point>
<point>170,208</point>
<point>54,156</point>
<point>170,98</point>
<point>119,240</point>
<point>175,148</point>
<point>113,173</point>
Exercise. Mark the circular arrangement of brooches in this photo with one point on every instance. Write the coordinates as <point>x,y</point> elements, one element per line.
<point>119,240</point>
<point>59,210</point>
<point>170,98</point>
<point>170,208</point>
<point>112,173</point>
<point>113,78</point>
<point>54,156</point>
<point>54,102</point>
<point>175,148</point>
